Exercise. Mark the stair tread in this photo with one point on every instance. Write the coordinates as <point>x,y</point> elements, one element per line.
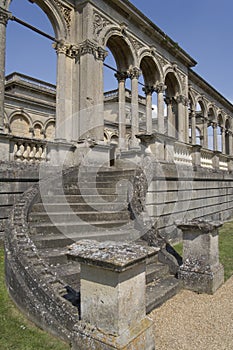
<point>159,291</point>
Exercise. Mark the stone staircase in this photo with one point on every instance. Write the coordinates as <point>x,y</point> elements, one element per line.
<point>92,205</point>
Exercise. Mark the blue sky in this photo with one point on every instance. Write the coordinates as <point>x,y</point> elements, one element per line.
<point>203,28</point>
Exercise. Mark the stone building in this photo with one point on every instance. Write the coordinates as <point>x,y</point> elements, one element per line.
<point>112,166</point>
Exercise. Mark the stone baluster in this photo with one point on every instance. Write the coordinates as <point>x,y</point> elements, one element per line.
<point>160,88</point>
<point>134,74</point>
<point>4,16</point>
<point>121,77</point>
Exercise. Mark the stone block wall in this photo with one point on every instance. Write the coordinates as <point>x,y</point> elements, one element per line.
<point>179,193</point>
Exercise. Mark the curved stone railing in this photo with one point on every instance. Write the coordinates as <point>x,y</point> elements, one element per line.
<point>33,287</point>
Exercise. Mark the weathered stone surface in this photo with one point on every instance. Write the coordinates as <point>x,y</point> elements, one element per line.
<point>201,270</point>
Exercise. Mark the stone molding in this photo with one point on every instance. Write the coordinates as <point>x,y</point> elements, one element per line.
<point>66,13</point>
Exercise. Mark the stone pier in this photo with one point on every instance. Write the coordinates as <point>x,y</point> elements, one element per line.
<point>113,296</point>
<point>201,270</point>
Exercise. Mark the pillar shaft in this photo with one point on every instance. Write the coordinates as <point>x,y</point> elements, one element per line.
<point>223,136</point>
<point>205,132</point>
<point>134,75</point>
<point>160,107</point>
<point>148,91</point>
<point>215,141</point>
<point>4,16</point>
<point>121,77</point>
<point>193,128</point>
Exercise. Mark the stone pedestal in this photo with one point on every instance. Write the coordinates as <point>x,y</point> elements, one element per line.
<point>201,270</point>
<point>113,295</point>
<point>60,153</point>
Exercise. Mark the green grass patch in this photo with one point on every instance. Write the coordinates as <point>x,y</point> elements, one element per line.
<point>16,332</point>
<point>225,248</point>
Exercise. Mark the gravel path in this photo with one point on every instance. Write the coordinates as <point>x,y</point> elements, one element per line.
<point>192,321</point>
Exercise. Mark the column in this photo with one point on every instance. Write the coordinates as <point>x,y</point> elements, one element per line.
<point>170,121</point>
<point>205,132</point>
<point>148,91</point>
<point>160,88</point>
<point>193,127</point>
<point>4,16</point>
<point>215,141</point>
<point>121,77</point>
<point>63,113</point>
<point>223,136</point>
<point>134,74</point>
<point>181,102</point>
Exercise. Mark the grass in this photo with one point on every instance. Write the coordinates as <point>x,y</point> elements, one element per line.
<point>225,248</point>
<point>16,332</point>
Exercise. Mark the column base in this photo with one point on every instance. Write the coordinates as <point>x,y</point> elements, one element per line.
<point>202,282</point>
<point>140,336</point>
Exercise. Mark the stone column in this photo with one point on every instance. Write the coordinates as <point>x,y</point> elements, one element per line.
<point>181,102</point>
<point>112,293</point>
<point>4,16</point>
<point>205,132</point>
<point>160,88</point>
<point>223,136</point>
<point>215,141</point>
<point>121,77</point>
<point>201,270</point>
<point>193,127</point>
<point>149,91</point>
<point>63,93</point>
<point>170,117</point>
<point>134,74</point>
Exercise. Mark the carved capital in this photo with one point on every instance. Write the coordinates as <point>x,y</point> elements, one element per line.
<point>148,90</point>
<point>101,54</point>
<point>66,48</point>
<point>160,88</point>
<point>4,16</point>
<point>168,101</point>
<point>182,99</point>
<point>121,76</point>
<point>134,73</point>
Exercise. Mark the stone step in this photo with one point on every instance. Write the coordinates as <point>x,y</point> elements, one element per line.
<point>77,207</point>
<point>92,216</point>
<point>79,227</point>
<point>156,271</point>
<point>89,191</point>
<point>54,256</point>
<point>77,198</point>
<point>96,184</point>
<point>68,273</point>
<point>159,291</point>
<point>61,241</point>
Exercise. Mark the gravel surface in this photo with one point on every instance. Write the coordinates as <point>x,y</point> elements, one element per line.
<point>191,321</point>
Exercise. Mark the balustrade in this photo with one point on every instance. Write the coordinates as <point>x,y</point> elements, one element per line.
<point>29,151</point>
<point>183,154</point>
<point>207,159</point>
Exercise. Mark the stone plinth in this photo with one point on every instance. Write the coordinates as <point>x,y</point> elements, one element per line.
<point>113,294</point>
<point>201,270</point>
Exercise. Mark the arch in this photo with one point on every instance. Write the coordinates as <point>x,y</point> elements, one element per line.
<point>50,130</point>
<point>20,125</point>
<point>54,15</point>
<point>121,50</point>
<point>172,81</point>
<point>150,70</point>
<point>37,130</point>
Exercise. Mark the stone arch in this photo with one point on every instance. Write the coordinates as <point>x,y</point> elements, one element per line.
<point>58,15</point>
<point>20,124</point>
<point>172,81</point>
<point>38,130</point>
<point>121,50</point>
<point>150,70</point>
<point>50,129</point>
